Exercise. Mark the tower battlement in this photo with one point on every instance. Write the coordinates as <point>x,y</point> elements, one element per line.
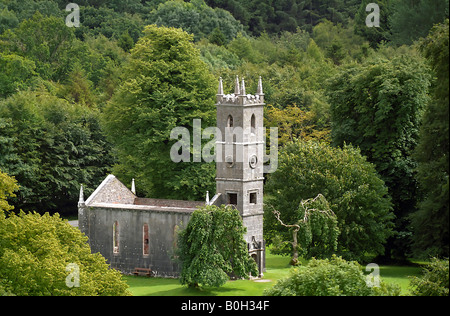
<point>240,97</point>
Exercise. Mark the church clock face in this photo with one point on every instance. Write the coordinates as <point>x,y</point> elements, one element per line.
<point>253,161</point>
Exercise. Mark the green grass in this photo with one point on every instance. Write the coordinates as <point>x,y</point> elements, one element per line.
<point>399,275</point>
<point>277,268</point>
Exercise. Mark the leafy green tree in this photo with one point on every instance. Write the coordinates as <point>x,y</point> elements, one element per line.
<point>431,221</point>
<point>197,18</point>
<point>35,252</point>
<point>218,58</point>
<point>329,277</point>
<point>413,19</point>
<point>18,73</point>
<point>352,188</point>
<point>212,247</point>
<point>377,107</point>
<point>8,20</point>
<point>44,40</point>
<point>109,23</point>
<point>166,85</point>
<point>25,9</point>
<point>375,35</point>
<point>7,187</point>
<point>126,42</point>
<point>292,122</point>
<point>51,147</point>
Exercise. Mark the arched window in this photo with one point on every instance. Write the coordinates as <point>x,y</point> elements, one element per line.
<point>116,237</point>
<point>145,240</point>
<point>253,124</point>
<point>230,121</point>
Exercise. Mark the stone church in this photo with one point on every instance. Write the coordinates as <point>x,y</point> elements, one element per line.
<point>132,232</point>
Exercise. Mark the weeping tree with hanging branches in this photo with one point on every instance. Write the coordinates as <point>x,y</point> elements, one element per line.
<point>315,232</point>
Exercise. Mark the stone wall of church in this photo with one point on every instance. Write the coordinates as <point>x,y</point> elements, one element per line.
<point>98,224</point>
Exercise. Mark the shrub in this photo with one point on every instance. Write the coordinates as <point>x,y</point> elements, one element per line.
<point>434,281</point>
<point>329,277</point>
<point>35,252</point>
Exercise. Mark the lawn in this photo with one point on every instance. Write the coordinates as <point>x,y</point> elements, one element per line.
<point>277,268</point>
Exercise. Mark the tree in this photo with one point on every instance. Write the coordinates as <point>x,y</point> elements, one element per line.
<point>375,35</point>
<point>44,40</point>
<point>352,188</point>
<point>212,247</point>
<point>51,147</point>
<point>430,222</point>
<point>197,18</point>
<point>292,122</point>
<point>413,19</point>
<point>377,107</point>
<point>36,251</point>
<point>166,85</point>
<point>7,187</point>
<point>18,73</point>
<point>318,226</point>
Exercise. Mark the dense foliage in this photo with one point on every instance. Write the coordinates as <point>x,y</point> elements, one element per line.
<point>7,187</point>
<point>351,186</point>
<point>212,247</point>
<point>377,106</point>
<point>35,251</point>
<point>431,221</point>
<point>329,277</point>
<point>434,280</point>
<point>51,147</point>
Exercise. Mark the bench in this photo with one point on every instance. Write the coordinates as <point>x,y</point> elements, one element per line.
<point>143,271</point>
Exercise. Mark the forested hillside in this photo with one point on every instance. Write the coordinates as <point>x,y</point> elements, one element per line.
<point>77,103</point>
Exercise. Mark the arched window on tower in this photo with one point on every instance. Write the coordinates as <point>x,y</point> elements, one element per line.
<point>230,121</point>
<point>253,124</point>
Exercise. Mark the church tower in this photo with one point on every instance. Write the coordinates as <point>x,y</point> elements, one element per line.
<point>239,160</point>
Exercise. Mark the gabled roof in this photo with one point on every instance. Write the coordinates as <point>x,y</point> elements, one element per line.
<point>112,193</point>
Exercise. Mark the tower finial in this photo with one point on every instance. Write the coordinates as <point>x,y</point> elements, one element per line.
<point>243,87</point>
<point>133,187</point>
<point>81,200</point>
<point>237,90</point>
<point>220,92</point>
<point>260,87</point>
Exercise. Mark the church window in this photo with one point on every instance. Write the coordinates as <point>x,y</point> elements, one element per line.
<point>253,198</point>
<point>116,237</point>
<point>253,124</point>
<point>145,240</point>
<point>230,121</point>
<point>232,198</point>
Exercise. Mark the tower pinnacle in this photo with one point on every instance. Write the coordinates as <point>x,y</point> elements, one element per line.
<point>237,90</point>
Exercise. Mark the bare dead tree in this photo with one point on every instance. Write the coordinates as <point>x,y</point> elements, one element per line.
<point>308,212</point>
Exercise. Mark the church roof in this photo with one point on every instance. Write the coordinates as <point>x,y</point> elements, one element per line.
<point>112,193</point>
